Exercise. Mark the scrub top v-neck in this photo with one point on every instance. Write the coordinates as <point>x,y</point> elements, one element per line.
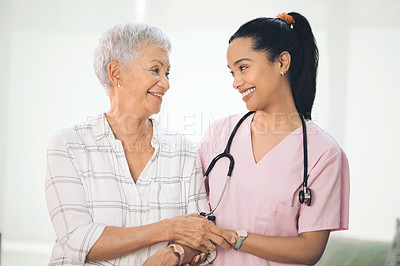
<point>262,197</point>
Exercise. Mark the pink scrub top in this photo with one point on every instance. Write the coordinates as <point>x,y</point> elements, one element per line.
<point>263,197</point>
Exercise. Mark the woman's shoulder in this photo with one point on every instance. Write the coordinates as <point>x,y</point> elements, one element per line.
<point>321,142</point>
<point>65,136</point>
<point>79,133</point>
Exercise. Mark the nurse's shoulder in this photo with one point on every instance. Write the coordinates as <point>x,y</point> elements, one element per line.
<point>320,144</point>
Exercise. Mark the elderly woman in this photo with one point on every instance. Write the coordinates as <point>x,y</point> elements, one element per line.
<point>119,186</point>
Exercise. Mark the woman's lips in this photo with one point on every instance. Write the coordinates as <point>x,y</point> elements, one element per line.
<point>158,95</point>
<point>246,94</point>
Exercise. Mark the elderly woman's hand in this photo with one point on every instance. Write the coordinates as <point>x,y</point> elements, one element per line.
<point>197,260</point>
<point>163,257</point>
<point>199,233</point>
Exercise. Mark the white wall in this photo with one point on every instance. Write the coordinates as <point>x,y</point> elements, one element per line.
<point>47,83</point>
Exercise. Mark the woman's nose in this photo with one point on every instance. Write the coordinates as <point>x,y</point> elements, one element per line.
<point>164,82</point>
<point>237,82</point>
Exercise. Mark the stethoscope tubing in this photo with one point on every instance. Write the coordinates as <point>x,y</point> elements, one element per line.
<point>228,155</point>
<point>305,152</point>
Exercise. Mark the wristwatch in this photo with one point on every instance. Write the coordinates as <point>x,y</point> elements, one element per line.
<point>178,249</point>
<point>242,234</point>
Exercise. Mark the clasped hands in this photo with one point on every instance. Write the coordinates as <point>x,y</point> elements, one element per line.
<point>195,232</point>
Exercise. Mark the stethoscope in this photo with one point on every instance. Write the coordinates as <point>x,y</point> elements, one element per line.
<point>304,194</point>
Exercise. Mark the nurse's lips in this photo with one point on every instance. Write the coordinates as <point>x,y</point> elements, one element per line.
<point>158,95</point>
<point>247,93</point>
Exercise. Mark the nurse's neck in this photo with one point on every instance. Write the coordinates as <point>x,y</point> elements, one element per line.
<point>279,120</point>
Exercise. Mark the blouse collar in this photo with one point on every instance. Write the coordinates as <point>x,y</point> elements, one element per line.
<point>102,129</point>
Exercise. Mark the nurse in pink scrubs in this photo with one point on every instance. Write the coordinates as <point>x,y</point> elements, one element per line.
<point>274,64</point>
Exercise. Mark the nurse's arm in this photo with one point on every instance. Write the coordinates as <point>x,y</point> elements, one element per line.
<point>307,248</point>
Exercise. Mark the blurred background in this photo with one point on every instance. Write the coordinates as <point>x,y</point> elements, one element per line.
<point>47,83</point>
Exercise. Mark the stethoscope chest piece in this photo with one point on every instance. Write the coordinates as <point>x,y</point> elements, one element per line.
<point>305,196</point>
<point>209,217</point>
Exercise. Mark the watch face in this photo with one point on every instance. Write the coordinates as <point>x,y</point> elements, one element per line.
<point>241,232</point>
<point>179,249</point>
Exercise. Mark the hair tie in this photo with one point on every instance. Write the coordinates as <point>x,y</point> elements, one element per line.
<point>287,18</point>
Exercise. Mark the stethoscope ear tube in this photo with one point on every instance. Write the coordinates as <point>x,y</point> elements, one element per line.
<point>305,193</point>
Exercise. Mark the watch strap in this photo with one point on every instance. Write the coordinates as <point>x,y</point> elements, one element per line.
<point>239,243</point>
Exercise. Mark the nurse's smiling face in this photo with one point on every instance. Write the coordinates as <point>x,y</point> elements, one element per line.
<point>258,80</point>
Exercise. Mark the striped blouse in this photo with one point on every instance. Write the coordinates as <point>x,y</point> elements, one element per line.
<point>89,187</point>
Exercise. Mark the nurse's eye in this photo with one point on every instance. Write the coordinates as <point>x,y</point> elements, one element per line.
<point>241,68</point>
<point>233,74</point>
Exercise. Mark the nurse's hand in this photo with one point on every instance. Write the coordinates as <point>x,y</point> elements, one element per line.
<point>163,256</point>
<point>199,233</point>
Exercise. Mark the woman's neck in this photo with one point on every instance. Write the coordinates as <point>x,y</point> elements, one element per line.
<point>128,126</point>
<point>281,116</point>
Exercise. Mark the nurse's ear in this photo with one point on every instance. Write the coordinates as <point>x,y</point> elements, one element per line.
<point>284,62</point>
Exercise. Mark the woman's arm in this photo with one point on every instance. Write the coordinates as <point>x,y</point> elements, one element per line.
<point>329,181</point>
<point>85,240</point>
<point>191,230</point>
<point>307,248</point>
<point>115,242</point>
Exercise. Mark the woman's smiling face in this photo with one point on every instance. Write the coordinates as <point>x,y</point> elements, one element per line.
<point>144,83</point>
<point>255,77</point>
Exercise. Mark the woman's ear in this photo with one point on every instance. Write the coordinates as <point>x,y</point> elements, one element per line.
<point>284,61</point>
<point>114,73</point>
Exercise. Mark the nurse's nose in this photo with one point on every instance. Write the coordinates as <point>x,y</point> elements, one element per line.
<point>237,82</point>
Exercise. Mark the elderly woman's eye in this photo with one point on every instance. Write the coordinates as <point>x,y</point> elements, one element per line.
<point>167,74</point>
<point>156,70</point>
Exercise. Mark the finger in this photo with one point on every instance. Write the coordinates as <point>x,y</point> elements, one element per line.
<point>211,246</point>
<point>221,237</point>
<point>203,249</point>
<point>219,241</point>
<point>223,233</point>
<point>196,258</point>
<point>195,244</point>
<point>203,256</point>
<point>203,244</point>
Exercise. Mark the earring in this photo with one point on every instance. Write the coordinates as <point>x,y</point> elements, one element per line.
<point>119,85</point>
<point>283,74</point>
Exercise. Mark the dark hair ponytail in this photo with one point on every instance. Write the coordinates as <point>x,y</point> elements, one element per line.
<point>275,36</point>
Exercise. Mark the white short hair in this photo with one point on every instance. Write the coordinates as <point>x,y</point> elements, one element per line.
<point>122,43</point>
